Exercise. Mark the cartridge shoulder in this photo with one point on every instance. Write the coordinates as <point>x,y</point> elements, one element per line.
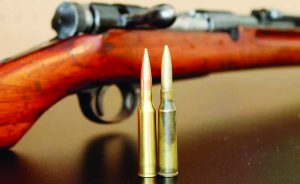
<point>146,106</point>
<point>167,105</point>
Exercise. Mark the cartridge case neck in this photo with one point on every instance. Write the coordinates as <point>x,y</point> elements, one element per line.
<point>166,94</point>
<point>146,95</point>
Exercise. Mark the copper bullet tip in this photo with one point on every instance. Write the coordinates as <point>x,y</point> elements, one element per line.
<point>146,77</point>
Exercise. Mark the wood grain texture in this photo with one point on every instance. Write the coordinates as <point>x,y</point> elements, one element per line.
<point>33,83</point>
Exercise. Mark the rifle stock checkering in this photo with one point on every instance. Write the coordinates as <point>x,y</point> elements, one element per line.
<point>101,44</point>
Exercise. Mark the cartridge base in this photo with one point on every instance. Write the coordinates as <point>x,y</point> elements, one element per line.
<point>168,174</point>
<point>147,175</point>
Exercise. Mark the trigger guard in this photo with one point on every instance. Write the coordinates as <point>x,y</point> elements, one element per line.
<point>91,104</point>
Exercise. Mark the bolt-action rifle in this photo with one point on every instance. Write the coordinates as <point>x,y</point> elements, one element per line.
<point>101,44</point>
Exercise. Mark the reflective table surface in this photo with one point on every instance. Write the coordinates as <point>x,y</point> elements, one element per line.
<point>240,127</point>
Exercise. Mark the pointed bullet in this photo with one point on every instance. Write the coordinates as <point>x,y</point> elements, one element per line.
<point>167,133</point>
<point>146,77</point>
<point>146,123</point>
<point>166,70</point>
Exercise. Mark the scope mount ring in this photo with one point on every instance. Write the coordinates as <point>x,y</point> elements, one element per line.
<point>90,101</point>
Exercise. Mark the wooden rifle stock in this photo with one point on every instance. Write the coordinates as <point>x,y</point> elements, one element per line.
<point>33,83</point>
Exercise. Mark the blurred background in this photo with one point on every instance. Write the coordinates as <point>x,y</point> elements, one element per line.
<point>25,23</point>
<point>249,108</point>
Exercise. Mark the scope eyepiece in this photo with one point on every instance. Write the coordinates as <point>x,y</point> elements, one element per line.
<point>72,18</point>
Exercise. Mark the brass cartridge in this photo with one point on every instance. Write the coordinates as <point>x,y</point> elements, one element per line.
<point>146,123</point>
<point>167,133</point>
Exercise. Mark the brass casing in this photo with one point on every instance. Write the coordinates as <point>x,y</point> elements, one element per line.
<point>146,136</point>
<point>167,136</point>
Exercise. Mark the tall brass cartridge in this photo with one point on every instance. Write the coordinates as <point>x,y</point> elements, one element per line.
<point>167,133</point>
<point>146,124</point>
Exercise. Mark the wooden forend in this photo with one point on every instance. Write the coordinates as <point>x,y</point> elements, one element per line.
<point>33,83</point>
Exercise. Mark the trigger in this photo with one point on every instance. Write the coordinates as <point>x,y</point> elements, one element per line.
<point>90,101</point>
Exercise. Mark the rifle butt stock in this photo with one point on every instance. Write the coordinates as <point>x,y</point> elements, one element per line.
<point>34,82</point>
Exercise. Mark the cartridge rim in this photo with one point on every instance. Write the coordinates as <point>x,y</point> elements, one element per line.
<point>168,174</point>
<point>147,175</point>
